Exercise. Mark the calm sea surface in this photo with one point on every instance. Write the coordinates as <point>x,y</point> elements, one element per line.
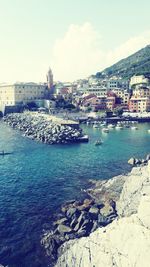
<point>36,179</point>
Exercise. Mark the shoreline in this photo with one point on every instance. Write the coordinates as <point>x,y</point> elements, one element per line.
<point>80,218</point>
<point>109,243</point>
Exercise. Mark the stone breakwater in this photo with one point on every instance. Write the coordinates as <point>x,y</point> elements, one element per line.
<point>124,242</point>
<point>43,130</point>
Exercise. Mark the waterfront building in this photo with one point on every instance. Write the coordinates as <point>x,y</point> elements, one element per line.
<point>110,102</point>
<point>141,91</point>
<point>139,104</point>
<point>13,95</point>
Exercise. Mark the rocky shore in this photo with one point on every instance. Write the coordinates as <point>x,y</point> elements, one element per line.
<point>99,230</point>
<point>40,129</point>
<point>81,218</point>
<point>125,241</point>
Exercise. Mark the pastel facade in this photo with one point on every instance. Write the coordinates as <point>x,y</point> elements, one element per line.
<point>97,90</point>
<point>138,79</point>
<point>20,93</point>
<point>139,104</point>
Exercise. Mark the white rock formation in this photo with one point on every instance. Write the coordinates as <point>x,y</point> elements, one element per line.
<point>126,241</point>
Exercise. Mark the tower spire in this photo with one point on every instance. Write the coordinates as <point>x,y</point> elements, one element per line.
<point>49,78</point>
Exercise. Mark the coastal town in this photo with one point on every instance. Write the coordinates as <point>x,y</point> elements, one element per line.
<point>98,93</point>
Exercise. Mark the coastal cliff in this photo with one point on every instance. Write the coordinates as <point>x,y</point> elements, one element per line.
<point>124,242</point>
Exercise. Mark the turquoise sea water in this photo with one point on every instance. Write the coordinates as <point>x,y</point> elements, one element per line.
<point>36,179</point>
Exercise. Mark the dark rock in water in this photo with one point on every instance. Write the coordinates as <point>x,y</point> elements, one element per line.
<point>93,212</point>
<point>72,201</point>
<point>63,229</point>
<point>102,220</point>
<point>137,162</point>
<point>74,223</point>
<point>72,212</point>
<point>95,226</point>
<point>81,233</point>
<point>87,225</point>
<point>70,236</point>
<point>51,245</point>
<point>143,161</point>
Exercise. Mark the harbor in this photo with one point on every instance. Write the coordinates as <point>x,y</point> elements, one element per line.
<point>43,177</point>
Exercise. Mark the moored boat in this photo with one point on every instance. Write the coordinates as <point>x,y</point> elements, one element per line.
<point>134,128</point>
<point>98,142</point>
<point>105,130</point>
<point>111,126</point>
<point>119,127</point>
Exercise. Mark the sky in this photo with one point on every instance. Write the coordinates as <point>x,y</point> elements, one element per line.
<point>76,38</point>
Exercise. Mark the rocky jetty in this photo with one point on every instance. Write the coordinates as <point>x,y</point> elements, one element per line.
<point>40,129</point>
<point>124,242</point>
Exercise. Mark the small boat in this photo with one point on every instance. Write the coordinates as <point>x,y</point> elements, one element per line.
<point>134,128</point>
<point>105,130</point>
<point>111,126</point>
<point>98,142</point>
<point>95,126</point>
<point>127,126</point>
<point>3,153</point>
<point>148,130</point>
<point>84,138</point>
<point>119,127</point>
<point>103,124</point>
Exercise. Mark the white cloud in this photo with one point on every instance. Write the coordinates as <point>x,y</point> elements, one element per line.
<point>128,48</point>
<point>79,52</point>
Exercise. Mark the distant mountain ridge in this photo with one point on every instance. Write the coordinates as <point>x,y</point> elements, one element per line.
<point>136,64</point>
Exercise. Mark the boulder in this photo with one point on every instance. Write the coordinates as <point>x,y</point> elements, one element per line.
<point>131,161</point>
<point>102,220</point>
<point>72,213</point>
<point>63,229</point>
<point>148,157</point>
<point>63,221</point>
<point>93,212</point>
<point>107,210</point>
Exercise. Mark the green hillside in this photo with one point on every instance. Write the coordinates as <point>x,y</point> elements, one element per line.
<point>136,64</point>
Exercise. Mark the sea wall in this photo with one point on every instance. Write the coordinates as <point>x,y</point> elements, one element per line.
<point>41,128</point>
<point>126,241</point>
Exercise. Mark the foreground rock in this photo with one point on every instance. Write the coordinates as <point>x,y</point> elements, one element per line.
<point>40,129</point>
<point>124,242</point>
<point>78,219</point>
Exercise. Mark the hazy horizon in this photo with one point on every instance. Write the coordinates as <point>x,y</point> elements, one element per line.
<point>76,39</point>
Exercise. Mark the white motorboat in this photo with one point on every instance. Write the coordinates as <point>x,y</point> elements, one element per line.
<point>105,130</point>
<point>111,126</point>
<point>119,127</point>
<point>95,125</point>
<point>134,128</point>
